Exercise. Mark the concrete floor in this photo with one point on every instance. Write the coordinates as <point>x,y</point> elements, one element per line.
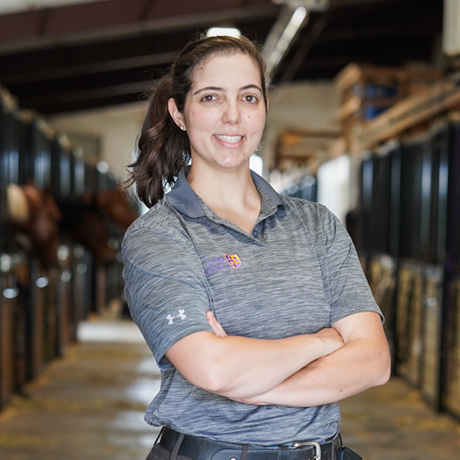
<point>89,406</point>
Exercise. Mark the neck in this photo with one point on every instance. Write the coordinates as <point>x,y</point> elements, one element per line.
<point>232,195</point>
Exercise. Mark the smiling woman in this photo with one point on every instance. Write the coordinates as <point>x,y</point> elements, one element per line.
<point>254,304</point>
<point>224,122</point>
<point>224,116</point>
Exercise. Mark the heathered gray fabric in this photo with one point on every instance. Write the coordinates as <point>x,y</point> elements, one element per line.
<point>296,273</point>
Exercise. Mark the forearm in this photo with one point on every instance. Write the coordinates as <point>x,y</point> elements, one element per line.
<point>239,367</point>
<point>357,366</point>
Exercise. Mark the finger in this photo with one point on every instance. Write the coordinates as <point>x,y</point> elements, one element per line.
<point>216,327</point>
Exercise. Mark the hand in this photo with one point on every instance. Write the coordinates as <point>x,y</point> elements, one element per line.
<point>332,339</point>
<point>216,327</point>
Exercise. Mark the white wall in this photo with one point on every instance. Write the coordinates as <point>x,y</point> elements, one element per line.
<point>117,128</point>
<point>334,185</point>
<point>302,106</point>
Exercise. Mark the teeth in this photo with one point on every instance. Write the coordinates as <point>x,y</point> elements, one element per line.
<point>231,139</point>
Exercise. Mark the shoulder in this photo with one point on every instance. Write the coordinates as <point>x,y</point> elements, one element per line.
<point>159,228</point>
<point>315,216</point>
<point>161,219</point>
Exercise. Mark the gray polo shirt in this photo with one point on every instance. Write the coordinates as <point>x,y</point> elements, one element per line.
<point>295,273</point>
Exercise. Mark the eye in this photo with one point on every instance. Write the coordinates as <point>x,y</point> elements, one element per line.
<point>208,98</point>
<point>250,98</point>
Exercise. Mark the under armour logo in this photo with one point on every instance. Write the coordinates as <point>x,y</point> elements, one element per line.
<point>171,318</point>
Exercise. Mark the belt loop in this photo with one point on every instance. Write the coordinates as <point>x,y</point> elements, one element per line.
<point>244,452</point>
<point>177,446</point>
<point>159,436</point>
<point>336,445</point>
<point>283,453</point>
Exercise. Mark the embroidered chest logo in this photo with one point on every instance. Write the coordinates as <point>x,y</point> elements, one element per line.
<point>233,260</point>
<point>171,318</point>
<point>223,263</point>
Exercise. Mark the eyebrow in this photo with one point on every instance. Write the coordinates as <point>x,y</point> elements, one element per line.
<point>217,88</point>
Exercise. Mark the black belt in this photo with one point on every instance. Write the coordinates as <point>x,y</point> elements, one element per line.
<point>203,449</point>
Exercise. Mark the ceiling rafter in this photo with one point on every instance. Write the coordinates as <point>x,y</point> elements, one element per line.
<point>90,21</point>
<point>63,62</point>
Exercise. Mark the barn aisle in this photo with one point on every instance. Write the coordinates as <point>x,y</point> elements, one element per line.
<point>90,406</point>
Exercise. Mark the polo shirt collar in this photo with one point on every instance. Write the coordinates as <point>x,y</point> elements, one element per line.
<point>184,199</point>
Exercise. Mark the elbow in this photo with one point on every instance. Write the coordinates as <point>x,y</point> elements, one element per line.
<point>383,373</point>
<point>198,358</point>
<point>214,380</point>
<point>210,373</point>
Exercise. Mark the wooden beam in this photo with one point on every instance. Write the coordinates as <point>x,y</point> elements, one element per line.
<point>117,17</point>
<point>409,113</point>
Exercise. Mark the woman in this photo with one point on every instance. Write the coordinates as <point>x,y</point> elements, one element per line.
<point>253,304</point>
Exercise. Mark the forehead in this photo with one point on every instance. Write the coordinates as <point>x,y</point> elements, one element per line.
<point>227,70</point>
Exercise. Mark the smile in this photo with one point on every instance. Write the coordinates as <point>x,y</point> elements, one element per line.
<point>229,139</point>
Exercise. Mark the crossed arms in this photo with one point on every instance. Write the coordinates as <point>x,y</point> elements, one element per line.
<point>302,371</point>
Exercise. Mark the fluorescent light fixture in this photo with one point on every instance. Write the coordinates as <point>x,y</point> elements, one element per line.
<point>311,5</point>
<point>451,31</point>
<point>223,31</point>
<point>290,31</point>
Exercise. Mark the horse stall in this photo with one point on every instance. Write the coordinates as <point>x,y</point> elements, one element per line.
<point>43,275</point>
<point>113,198</point>
<point>433,244</point>
<point>12,310</point>
<point>451,324</point>
<point>451,350</point>
<point>371,224</point>
<point>61,224</point>
<point>95,220</point>
<point>61,185</point>
<point>5,315</point>
<point>6,336</point>
<point>409,201</point>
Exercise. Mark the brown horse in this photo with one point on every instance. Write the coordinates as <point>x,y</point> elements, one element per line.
<point>34,220</point>
<point>90,220</point>
<point>117,206</point>
<point>38,221</point>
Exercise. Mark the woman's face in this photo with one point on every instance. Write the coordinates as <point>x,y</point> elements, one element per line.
<point>224,113</point>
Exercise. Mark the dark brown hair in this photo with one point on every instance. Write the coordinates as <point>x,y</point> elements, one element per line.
<point>163,148</point>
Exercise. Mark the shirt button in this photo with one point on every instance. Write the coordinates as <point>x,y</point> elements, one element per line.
<point>255,233</point>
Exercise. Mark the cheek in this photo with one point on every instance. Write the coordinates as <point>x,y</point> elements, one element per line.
<point>256,121</point>
<point>202,120</point>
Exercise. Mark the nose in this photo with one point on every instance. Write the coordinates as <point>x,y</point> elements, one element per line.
<point>232,113</point>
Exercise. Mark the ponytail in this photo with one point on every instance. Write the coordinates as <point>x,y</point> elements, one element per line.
<point>163,149</point>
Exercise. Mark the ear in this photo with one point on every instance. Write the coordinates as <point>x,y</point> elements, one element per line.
<point>175,114</point>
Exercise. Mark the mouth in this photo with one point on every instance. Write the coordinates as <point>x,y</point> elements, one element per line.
<point>229,139</point>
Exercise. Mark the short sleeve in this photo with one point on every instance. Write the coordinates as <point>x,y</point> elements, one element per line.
<point>347,287</point>
<point>165,289</point>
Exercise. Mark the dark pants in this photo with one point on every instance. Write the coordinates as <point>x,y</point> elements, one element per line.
<point>160,453</point>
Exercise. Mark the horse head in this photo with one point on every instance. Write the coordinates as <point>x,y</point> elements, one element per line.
<point>34,219</point>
